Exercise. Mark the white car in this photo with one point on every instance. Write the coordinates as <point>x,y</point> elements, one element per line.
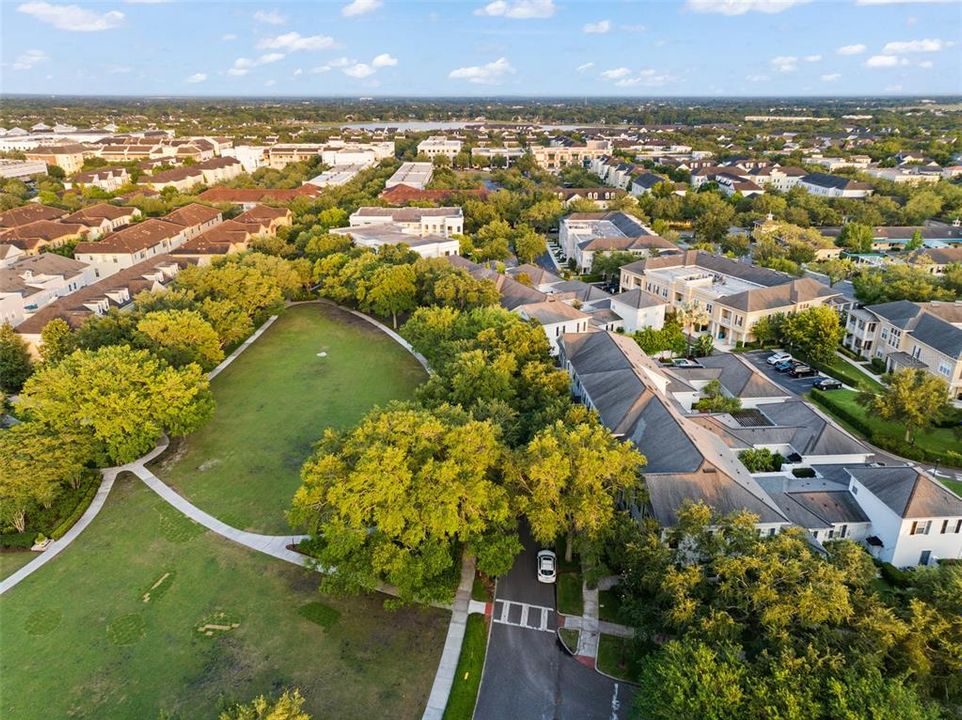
<point>547,566</point>
<point>778,357</point>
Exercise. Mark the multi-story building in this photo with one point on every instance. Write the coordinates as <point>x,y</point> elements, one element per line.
<point>34,237</point>
<point>835,186</point>
<point>68,157</point>
<point>439,145</point>
<point>582,235</point>
<point>103,218</point>
<point>375,235</point>
<point>557,156</point>
<point>488,155</point>
<point>733,295</point>
<point>444,221</point>
<point>337,153</point>
<point>131,246</point>
<point>413,174</point>
<point>107,179</point>
<point>32,283</point>
<point>905,334</point>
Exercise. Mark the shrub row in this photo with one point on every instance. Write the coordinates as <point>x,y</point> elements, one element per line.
<point>69,521</point>
<point>18,541</point>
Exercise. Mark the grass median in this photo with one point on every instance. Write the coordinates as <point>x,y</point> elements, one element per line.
<point>467,679</point>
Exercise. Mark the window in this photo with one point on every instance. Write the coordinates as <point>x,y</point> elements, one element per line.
<point>844,531</point>
<point>916,351</point>
<point>921,527</point>
<point>945,369</point>
<point>854,490</point>
<point>925,557</point>
<point>945,527</point>
<point>958,526</point>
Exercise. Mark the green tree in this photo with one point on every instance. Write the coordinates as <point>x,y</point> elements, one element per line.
<point>915,242</point>
<point>492,242</point>
<point>913,397</point>
<point>34,463</point>
<point>815,331</point>
<point>609,264</point>
<point>393,500</point>
<point>713,219</point>
<point>856,238</point>
<point>714,400</point>
<point>245,287</point>
<point>56,341</point>
<point>99,392</point>
<point>392,289</point>
<point>15,362</point>
<point>836,269</point>
<point>761,460</point>
<point>181,337</point>
<point>289,706</point>
<point>571,476</point>
<point>545,214</point>
<point>528,244</point>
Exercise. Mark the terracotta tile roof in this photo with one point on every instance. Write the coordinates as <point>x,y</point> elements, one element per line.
<point>258,195</point>
<point>133,238</point>
<point>18,216</point>
<point>192,215</point>
<point>98,212</point>
<point>43,229</point>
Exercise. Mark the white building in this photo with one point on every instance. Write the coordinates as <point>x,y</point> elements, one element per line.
<point>31,283</point>
<point>377,235</point>
<point>439,145</point>
<point>581,235</point>
<point>639,309</point>
<point>337,153</point>
<point>412,174</point>
<point>444,221</point>
<point>825,185</point>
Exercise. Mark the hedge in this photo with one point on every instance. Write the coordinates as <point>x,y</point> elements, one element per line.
<point>69,521</point>
<point>19,541</point>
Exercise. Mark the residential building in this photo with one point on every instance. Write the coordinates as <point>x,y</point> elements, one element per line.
<point>226,238</point>
<point>9,254</point>
<point>412,174</point>
<point>31,283</point>
<point>776,177</point>
<point>825,185</point>
<point>600,196</point>
<point>375,235</point>
<point>439,145</point>
<point>733,295</point>
<point>33,237</point>
<point>103,218</point>
<point>22,169</point>
<point>250,157</point>
<point>131,246</point>
<point>107,179</point>
<point>338,153</point>
<point>444,221</point>
<point>280,156</point>
<point>272,217</point>
<point>195,218</point>
<point>560,155</point>
<point>115,291</point>
<point>926,336</point>
<point>251,197</point>
<point>181,179</point>
<point>645,183</point>
<point>219,169</point>
<point>639,309</point>
<point>488,155</point>
<point>581,235</point>
<point>337,175</point>
<point>70,158</point>
<point>26,214</point>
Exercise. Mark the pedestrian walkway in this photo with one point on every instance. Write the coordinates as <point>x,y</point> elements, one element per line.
<point>448,666</point>
<point>524,615</point>
<point>589,636</point>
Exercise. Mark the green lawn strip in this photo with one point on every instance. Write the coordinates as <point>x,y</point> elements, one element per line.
<point>467,679</point>
<point>616,657</point>
<point>480,590</point>
<point>842,370</point>
<point>570,600</point>
<point>10,562</point>
<point>273,404</point>
<point>932,445</point>
<point>953,485</point>
<point>570,638</point>
<point>219,624</point>
<point>609,605</point>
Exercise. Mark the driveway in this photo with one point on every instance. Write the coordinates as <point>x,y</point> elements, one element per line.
<point>796,386</point>
<point>527,674</point>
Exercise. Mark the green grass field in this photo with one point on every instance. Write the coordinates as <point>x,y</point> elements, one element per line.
<point>616,658</point>
<point>147,613</point>
<point>10,562</point>
<point>274,402</point>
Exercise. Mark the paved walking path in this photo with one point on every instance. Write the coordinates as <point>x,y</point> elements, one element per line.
<point>241,348</point>
<point>444,677</point>
<point>588,637</point>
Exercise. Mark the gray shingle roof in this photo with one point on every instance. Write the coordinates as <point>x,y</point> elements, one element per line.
<point>938,334</point>
<point>909,493</point>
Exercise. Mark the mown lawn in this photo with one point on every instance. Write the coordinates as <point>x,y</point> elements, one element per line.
<point>117,627</point>
<point>616,657</point>
<point>467,679</point>
<point>10,562</point>
<point>274,402</point>
<point>934,440</point>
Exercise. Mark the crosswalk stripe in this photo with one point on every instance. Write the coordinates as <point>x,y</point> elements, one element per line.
<point>501,617</point>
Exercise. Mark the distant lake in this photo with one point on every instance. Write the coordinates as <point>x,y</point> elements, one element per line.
<point>422,126</point>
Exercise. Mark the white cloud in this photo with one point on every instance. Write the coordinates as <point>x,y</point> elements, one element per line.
<point>586,66</point>
<point>634,28</point>
<point>926,64</point>
<point>270,83</point>
<point>360,7</point>
<point>518,9</point>
<point>27,60</point>
<point>757,78</point>
<point>298,72</point>
<point>72,17</point>
<point>885,61</point>
<point>785,63</point>
<point>242,65</point>
<point>197,78</point>
<point>294,41</point>
<point>228,37</point>
<point>647,77</point>
<point>359,70</point>
<point>812,58</point>
<point>855,49</point>
<point>146,2</point>
<point>271,17</point>
<point>831,77</point>
<point>616,73</point>
<point>916,46</point>
<point>901,2</point>
<point>320,69</point>
<point>384,60</point>
<point>491,74</point>
<point>740,7</point>
<point>597,28</point>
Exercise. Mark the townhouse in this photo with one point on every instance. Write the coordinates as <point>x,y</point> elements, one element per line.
<point>834,186</point>
<point>581,235</point>
<point>732,295</point>
<point>131,246</point>
<point>247,198</point>
<point>489,155</point>
<point>600,196</point>
<point>181,179</point>
<point>106,179</point>
<point>103,218</point>
<point>35,236</point>
<point>31,283</point>
<point>925,336</point>
<point>338,175</point>
<point>70,158</point>
<point>337,153</point>
<point>195,218</point>
<point>22,169</point>
<point>219,169</point>
<point>32,212</point>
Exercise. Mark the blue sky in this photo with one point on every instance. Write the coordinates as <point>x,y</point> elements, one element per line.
<point>498,47</point>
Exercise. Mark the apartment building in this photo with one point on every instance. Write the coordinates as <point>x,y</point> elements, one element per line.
<point>181,179</point>
<point>444,221</point>
<point>31,283</point>
<point>131,246</point>
<point>337,153</point>
<point>375,235</point>
<point>582,235</point>
<point>35,236</point>
<point>733,295</point>
<point>834,186</point>
<point>26,214</point>
<point>926,336</point>
<point>488,155</point>
<point>556,156</point>
<point>107,179</point>
<point>439,145</point>
<point>70,158</point>
<point>103,218</point>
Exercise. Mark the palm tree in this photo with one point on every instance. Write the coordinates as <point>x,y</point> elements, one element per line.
<point>691,315</point>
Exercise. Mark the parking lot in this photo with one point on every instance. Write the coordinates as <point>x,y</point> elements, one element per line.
<point>796,386</point>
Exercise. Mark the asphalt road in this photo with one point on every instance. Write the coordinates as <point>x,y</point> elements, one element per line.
<point>527,674</point>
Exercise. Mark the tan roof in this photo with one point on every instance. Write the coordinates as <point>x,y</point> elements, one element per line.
<point>193,214</point>
<point>133,238</point>
<point>100,211</point>
<point>769,298</point>
<point>43,229</point>
<point>18,216</point>
<point>72,149</point>
<point>249,195</point>
<point>178,174</point>
<point>263,212</point>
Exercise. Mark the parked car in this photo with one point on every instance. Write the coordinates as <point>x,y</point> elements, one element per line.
<point>800,371</point>
<point>547,566</point>
<point>784,366</point>
<point>778,357</point>
<point>827,383</point>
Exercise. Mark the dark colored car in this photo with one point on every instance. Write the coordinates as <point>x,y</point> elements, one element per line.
<point>784,366</point>
<point>801,371</point>
<point>827,384</point>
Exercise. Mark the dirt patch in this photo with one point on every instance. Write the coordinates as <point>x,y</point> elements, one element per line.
<point>208,464</point>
